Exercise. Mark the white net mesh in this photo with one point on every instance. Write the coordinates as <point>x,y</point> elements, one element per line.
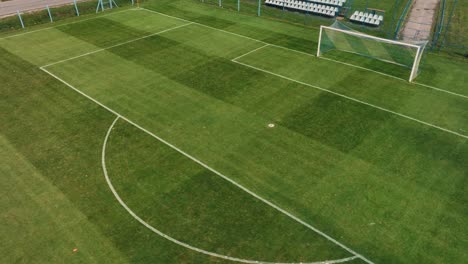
<point>340,39</point>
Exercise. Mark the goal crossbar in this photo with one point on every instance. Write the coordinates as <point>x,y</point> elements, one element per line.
<point>419,48</point>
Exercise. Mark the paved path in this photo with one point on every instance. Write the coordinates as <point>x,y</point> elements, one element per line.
<point>10,7</point>
<point>420,19</point>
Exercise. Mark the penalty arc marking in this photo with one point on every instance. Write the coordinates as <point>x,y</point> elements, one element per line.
<point>178,242</point>
<point>295,218</point>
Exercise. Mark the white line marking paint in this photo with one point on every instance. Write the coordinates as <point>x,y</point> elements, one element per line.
<point>178,242</point>
<point>388,75</point>
<point>66,24</point>
<point>242,36</point>
<point>362,68</point>
<point>214,171</point>
<point>308,54</point>
<point>252,51</point>
<point>355,100</point>
<point>441,90</point>
<point>203,25</point>
<point>117,45</point>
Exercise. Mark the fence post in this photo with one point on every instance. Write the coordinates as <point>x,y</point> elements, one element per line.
<point>393,25</point>
<point>439,25</point>
<point>402,17</point>
<point>76,8</point>
<point>447,27</point>
<point>50,14</point>
<point>259,7</point>
<point>20,19</point>
<point>238,5</point>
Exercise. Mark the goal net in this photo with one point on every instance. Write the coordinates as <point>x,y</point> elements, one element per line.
<point>338,37</point>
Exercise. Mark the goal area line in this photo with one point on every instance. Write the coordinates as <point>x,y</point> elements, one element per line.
<point>228,32</point>
<point>308,54</point>
<point>272,73</point>
<point>345,96</point>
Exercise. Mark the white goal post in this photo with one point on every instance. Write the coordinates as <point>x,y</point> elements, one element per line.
<point>400,53</point>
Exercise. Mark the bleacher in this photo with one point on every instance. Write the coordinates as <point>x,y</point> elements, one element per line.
<point>328,8</point>
<point>367,18</point>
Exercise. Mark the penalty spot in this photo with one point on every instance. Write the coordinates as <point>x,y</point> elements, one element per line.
<point>271,125</point>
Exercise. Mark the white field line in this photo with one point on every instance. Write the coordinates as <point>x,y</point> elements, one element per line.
<point>308,54</point>
<point>117,45</point>
<point>203,25</point>
<point>235,34</point>
<point>252,51</point>
<point>216,172</point>
<point>386,61</point>
<point>178,242</point>
<point>66,24</point>
<point>362,68</point>
<point>441,90</point>
<point>355,100</point>
<point>227,32</point>
<point>388,75</point>
<point>377,72</point>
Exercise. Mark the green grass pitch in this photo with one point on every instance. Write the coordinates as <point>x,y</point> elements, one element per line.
<point>142,136</point>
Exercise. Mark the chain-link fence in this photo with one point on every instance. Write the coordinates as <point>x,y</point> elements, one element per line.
<point>45,14</point>
<point>451,31</point>
<point>444,30</point>
<point>324,12</point>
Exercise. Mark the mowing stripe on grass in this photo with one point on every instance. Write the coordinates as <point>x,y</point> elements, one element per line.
<point>235,34</point>
<point>66,24</point>
<point>216,172</point>
<point>117,45</point>
<point>232,33</point>
<point>355,100</point>
<point>308,54</point>
<point>178,242</point>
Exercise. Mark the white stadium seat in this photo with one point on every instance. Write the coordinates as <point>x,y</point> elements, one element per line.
<point>364,17</point>
<point>326,7</point>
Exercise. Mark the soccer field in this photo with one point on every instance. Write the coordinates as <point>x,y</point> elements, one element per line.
<point>162,135</point>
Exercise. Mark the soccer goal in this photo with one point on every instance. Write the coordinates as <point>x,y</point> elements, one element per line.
<point>340,38</point>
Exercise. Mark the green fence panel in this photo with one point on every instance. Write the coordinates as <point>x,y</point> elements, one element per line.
<point>230,4</point>
<point>249,7</point>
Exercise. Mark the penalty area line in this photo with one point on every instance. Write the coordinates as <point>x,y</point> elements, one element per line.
<point>308,54</point>
<point>302,222</point>
<point>355,100</point>
<point>250,52</point>
<point>178,242</point>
